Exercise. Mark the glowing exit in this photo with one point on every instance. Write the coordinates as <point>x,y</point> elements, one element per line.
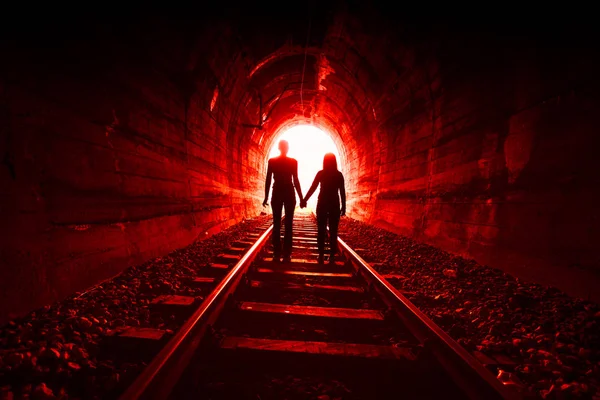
<point>308,145</point>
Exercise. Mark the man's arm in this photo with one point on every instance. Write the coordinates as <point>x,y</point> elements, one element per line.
<point>343,195</point>
<point>313,187</point>
<point>267,183</point>
<point>296,181</point>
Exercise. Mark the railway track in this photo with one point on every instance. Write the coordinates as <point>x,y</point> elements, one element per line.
<point>309,330</point>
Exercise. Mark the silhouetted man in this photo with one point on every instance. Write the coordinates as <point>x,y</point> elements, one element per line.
<point>285,174</point>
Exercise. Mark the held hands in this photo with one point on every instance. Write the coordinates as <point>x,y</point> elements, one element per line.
<point>302,203</point>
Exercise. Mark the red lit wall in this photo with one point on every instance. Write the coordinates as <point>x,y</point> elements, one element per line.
<point>110,157</point>
<point>490,152</point>
<point>134,145</point>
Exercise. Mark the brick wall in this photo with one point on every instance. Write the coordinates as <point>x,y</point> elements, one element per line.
<point>490,152</point>
<point>123,143</point>
<point>112,154</point>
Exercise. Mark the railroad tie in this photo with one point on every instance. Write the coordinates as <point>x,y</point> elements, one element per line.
<point>319,348</point>
<point>306,286</point>
<point>312,311</point>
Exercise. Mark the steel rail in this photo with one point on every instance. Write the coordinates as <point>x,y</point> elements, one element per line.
<point>469,374</point>
<point>161,375</point>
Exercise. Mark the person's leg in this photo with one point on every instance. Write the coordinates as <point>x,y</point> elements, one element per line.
<point>327,223</point>
<point>334,222</point>
<point>276,205</point>
<point>321,231</point>
<point>290,205</point>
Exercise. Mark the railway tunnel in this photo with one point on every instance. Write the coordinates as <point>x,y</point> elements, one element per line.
<point>124,138</point>
<point>137,135</point>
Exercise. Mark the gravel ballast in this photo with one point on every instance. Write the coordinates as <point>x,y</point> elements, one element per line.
<point>548,342</point>
<point>59,351</point>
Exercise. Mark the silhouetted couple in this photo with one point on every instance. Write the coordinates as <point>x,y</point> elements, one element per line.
<point>285,174</point>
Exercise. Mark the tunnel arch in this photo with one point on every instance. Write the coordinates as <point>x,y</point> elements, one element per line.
<point>440,131</point>
<point>335,99</point>
<point>402,120</point>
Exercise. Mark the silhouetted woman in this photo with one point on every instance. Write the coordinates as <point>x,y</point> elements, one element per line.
<point>328,205</point>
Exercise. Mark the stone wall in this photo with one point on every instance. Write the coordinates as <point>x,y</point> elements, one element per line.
<point>123,141</point>
<point>490,153</point>
<point>113,152</point>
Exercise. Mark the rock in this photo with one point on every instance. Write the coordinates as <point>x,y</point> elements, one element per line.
<point>79,353</point>
<point>544,353</point>
<point>42,392</point>
<point>117,323</point>
<point>84,323</point>
<point>568,387</point>
<point>450,273</point>
<point>50,354</point>
<point>545,394</point>
<point>74,366</point>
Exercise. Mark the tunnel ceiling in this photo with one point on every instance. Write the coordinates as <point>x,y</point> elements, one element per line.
<point>327,80</point>
<point>324,66</point>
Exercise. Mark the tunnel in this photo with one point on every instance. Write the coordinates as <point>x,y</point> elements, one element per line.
<point>469,138</point>
<point>125,138</point>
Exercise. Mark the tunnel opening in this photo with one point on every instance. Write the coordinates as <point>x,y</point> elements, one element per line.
<point>308,145</point>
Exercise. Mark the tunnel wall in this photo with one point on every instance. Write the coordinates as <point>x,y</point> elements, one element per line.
<point>127,143</point>
<point>489,152</point>
<point>110,156</point>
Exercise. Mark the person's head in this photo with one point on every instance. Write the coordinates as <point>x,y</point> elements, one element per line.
<point>329,162</point>
<point>284,146</point>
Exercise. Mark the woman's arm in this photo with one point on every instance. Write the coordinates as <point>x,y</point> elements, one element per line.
<point>267,183</point>
<point>313,187</point>
<point>343,195</point>
<point>296,180</point>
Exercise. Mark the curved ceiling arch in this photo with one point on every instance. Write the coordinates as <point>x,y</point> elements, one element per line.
<point>343,77</point>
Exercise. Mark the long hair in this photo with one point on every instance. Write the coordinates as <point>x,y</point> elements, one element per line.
<point>329,162</point>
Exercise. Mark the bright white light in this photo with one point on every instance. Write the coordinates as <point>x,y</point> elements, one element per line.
<point>308,145</point>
